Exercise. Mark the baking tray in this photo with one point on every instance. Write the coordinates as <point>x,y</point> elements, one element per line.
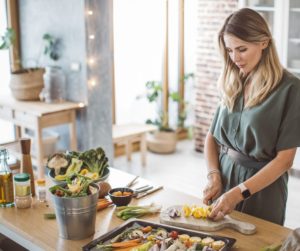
<point>91,246</point>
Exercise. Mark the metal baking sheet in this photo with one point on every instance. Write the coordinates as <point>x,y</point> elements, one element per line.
<point>91,246</point>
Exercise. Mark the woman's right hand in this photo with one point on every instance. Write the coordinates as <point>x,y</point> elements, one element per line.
<point>213,188</point>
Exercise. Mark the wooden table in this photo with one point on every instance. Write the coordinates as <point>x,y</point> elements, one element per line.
<point>28,227</point>
<point>36,115</point>
<point>128,133</point>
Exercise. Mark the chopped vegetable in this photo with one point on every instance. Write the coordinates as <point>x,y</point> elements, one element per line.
<point>147,229</point>
<point>273,247</point>
<point>49,216</point>
<point>103,203</point>
<point>145,247</point>
<point>122,244</point>
<point>74,167</point>
<point>127,212</point>
<point>173,235</point>
<point>174,212</point>
<point>196,211</point>
<point>77,186</point>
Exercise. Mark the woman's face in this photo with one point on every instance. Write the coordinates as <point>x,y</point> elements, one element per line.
<point>245,55</point>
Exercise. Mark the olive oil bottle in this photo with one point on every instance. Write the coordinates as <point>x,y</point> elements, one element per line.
<point>6,181</point>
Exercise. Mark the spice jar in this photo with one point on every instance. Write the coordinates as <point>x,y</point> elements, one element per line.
<point>41,190</point>
<point>22,190</point>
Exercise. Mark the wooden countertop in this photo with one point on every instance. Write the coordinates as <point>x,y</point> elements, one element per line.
<point>29,228</point>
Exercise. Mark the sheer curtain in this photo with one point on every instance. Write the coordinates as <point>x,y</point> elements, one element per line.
<point>6,128</point>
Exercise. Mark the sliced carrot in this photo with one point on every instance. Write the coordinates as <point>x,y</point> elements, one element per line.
<point>147,229</point>
<point>103,203</point>
<point>125,244</point>
<point>128,248</point>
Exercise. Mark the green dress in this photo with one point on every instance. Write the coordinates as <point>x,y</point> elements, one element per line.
<point>260,132</point>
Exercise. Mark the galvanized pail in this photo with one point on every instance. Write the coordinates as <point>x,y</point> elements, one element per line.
<point>76,216</point>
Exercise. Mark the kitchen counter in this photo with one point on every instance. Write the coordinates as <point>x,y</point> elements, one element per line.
<point>29,228</point>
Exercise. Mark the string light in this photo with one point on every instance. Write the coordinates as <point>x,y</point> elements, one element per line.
<point>92,82</point>
<point>91,61</point>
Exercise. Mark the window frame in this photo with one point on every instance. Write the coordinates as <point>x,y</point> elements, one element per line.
<point>12,10</point>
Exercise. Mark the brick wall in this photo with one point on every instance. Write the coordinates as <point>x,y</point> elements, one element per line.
<point>211,15</point>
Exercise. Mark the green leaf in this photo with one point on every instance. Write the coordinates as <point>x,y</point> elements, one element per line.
<point>7,39</point>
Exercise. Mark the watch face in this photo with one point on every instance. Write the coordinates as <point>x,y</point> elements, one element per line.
<point>246,194</point>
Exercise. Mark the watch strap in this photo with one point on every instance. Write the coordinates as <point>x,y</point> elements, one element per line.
<point>244,191</point>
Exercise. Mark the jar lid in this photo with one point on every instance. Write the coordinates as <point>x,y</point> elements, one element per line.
<point>21,177</point>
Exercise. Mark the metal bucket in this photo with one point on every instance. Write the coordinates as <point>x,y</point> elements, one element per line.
<point>76,217</point>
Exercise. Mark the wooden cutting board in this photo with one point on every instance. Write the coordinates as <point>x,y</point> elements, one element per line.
<point>205,224</point>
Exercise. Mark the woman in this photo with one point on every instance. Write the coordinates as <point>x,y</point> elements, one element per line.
<point>256,129</point>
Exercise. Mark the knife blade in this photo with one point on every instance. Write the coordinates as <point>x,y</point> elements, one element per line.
<point>142,190</point>
<point>141,195</point>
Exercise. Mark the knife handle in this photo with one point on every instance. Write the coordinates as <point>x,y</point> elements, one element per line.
<point>149,192</point>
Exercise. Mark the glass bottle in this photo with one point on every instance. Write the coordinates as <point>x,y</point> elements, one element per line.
<point>6,181</point>
<point>41,190</point>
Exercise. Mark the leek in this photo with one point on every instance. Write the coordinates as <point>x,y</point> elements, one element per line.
<point>127,212</point>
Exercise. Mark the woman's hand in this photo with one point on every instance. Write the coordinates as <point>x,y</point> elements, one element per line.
<point>226,204</point>
<point>213,188</point>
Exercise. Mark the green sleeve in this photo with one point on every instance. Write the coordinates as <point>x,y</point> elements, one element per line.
<point>289,132</point>
<point>214,121</point>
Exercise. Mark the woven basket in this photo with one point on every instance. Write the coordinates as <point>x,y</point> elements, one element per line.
<point>162,142</point>
<point>27,85</point>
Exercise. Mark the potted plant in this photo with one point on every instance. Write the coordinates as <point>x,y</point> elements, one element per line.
<point>165,138</point>
<point>25,84</point>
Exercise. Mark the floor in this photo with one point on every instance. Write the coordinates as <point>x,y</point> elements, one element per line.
<point>185,171</point>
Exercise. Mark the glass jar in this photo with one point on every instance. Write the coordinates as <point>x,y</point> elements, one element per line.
<point>54,80</point>
<point>41,190</point>
<point>6,181</point>
<point>22,190</point>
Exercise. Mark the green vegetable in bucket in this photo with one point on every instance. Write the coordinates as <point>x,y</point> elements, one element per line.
<point>77,186</point>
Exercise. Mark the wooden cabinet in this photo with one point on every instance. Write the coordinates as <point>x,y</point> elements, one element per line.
<point>283,17</point>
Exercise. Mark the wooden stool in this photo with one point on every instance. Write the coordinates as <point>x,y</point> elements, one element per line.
<point>128,133</point>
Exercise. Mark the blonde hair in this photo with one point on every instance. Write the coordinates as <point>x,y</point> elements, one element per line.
<point>249,26</point>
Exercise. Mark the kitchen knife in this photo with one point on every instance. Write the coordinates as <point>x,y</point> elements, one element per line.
<point>141,195</point>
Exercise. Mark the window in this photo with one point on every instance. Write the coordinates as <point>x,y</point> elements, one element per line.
<point>138,53</point>
<point>6,132</point>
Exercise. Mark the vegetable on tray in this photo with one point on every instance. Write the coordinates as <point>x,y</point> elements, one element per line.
<point>148,238</point>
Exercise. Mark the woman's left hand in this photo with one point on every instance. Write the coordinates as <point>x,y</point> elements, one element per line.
<point>225,204</point>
